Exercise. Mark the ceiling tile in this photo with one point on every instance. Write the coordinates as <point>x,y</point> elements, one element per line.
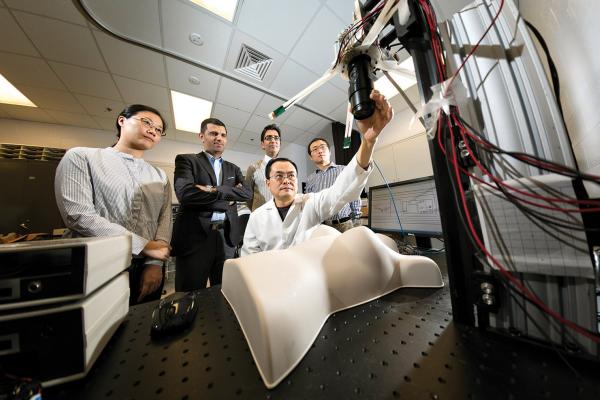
<point>267,21</point>
<point>320,128</point>
<point>179,73</point>
<point>344,9</point>
<point>181,19</point>
<point>106,124</point>
<point>292,79</point>
<point>67,118</point>
<point>98,106</point>
<point>267,105</point>
<point>340,83</point>
<point>62,41</point>
<point>302,119</point>
<point>315,50</point>
<point>18,43</point>
<point>249,138</point>
<point>136,92</point>
<point>60,9</point>
<point>326,99</point>
<point>28,70</point>
<point>189,137</point>
<point>290,133</point>
<point>52,99</point>
<point>233,134</point>
<point>231,117</point>
<point>256,124</point>
<point>27,113</point>
<point>86,81</point>
<point>339,114</point>
<point>136,19</point>
<point>132,61</point>
<point>237,95</point>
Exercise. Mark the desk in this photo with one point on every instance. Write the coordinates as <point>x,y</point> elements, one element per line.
<point>402,346</point>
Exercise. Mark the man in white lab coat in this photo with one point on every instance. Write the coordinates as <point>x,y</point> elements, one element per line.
<point>290,218</point>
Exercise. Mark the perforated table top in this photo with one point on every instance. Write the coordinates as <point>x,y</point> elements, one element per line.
<point>403,346</point>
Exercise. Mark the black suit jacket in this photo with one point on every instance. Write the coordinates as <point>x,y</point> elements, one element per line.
<point>196,207</point>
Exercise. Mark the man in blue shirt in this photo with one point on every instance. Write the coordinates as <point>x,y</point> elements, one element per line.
<point>206,229</point>
<point>326,173</point>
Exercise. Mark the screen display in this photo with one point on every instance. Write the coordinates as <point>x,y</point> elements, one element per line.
<point>415,202</point>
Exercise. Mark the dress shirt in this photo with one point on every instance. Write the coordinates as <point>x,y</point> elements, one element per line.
<point>103,192</point>
<point>217,163</point>
<point>322,179</point>
<point>266,230</point>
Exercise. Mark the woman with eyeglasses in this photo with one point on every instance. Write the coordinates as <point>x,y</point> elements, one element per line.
<point>113,191</point>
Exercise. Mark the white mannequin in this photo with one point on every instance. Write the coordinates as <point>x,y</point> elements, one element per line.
<point>282,298</point>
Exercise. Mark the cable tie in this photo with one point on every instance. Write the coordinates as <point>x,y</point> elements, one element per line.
<point>445,94</point>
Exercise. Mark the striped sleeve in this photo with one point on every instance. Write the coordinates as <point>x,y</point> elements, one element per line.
<point>75,200</point>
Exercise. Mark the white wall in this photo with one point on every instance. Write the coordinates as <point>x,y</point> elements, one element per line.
<point>571,30</point>
<point>163,155</point>
<point>402,152</point>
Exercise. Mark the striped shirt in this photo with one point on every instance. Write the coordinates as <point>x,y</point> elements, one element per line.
<point>103,192</point>
<point>320,180</point>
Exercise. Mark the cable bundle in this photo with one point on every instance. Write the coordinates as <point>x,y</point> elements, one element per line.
<point>483,156</point>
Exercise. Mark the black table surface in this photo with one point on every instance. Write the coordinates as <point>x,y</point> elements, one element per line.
<point>401,346</point>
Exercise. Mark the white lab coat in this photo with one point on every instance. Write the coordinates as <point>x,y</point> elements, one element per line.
<point>266,230</point>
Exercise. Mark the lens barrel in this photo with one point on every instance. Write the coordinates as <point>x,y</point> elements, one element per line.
<point>360,88</point>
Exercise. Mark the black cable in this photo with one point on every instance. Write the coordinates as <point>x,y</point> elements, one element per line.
<point>551,65</point>
<point>564,170</point>
<point>462,218</point>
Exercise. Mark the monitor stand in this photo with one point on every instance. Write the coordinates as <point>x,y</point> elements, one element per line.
<point>423,242</point>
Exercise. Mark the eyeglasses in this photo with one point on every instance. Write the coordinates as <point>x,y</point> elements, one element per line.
<point>146,123</point>
<point>321,147</point>
<point>280,177</point>
<point>272,138</point>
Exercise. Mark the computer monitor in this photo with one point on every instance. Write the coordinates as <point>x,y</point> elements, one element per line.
<point>416,203</point>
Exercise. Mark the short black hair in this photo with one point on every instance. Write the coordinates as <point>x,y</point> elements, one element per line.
<point>213,121</point>
<point>133,110</point>
<point>315,140</point>
<point>279,159</point>
<point>272,127</point>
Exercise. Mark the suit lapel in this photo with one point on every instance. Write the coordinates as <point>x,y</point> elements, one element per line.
<point>205,163</point>
<point>227,174</point>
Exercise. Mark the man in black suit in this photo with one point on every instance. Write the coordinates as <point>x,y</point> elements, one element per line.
<point>206,229</point>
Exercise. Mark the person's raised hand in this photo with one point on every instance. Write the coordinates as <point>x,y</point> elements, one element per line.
<point>371,127</point>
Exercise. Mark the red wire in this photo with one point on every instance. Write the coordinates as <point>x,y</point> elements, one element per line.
<point>526,292</point>
<point>476,46</point>
<point>503,271</point>
<point>528,194</point>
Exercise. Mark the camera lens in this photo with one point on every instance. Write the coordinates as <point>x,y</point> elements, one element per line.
<point>360,87</point>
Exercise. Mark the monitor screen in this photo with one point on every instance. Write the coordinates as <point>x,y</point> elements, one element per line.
<point>416,204</point>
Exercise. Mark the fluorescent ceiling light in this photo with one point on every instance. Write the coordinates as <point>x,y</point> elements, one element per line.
<point>189,111</point>
<point>223,8</point>
<point>11,95</point>
<point>404,77</point>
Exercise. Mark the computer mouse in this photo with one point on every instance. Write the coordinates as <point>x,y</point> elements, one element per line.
<point>173,314</point>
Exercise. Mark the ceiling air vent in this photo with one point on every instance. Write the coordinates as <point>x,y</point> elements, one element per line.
<point>252,63</point>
